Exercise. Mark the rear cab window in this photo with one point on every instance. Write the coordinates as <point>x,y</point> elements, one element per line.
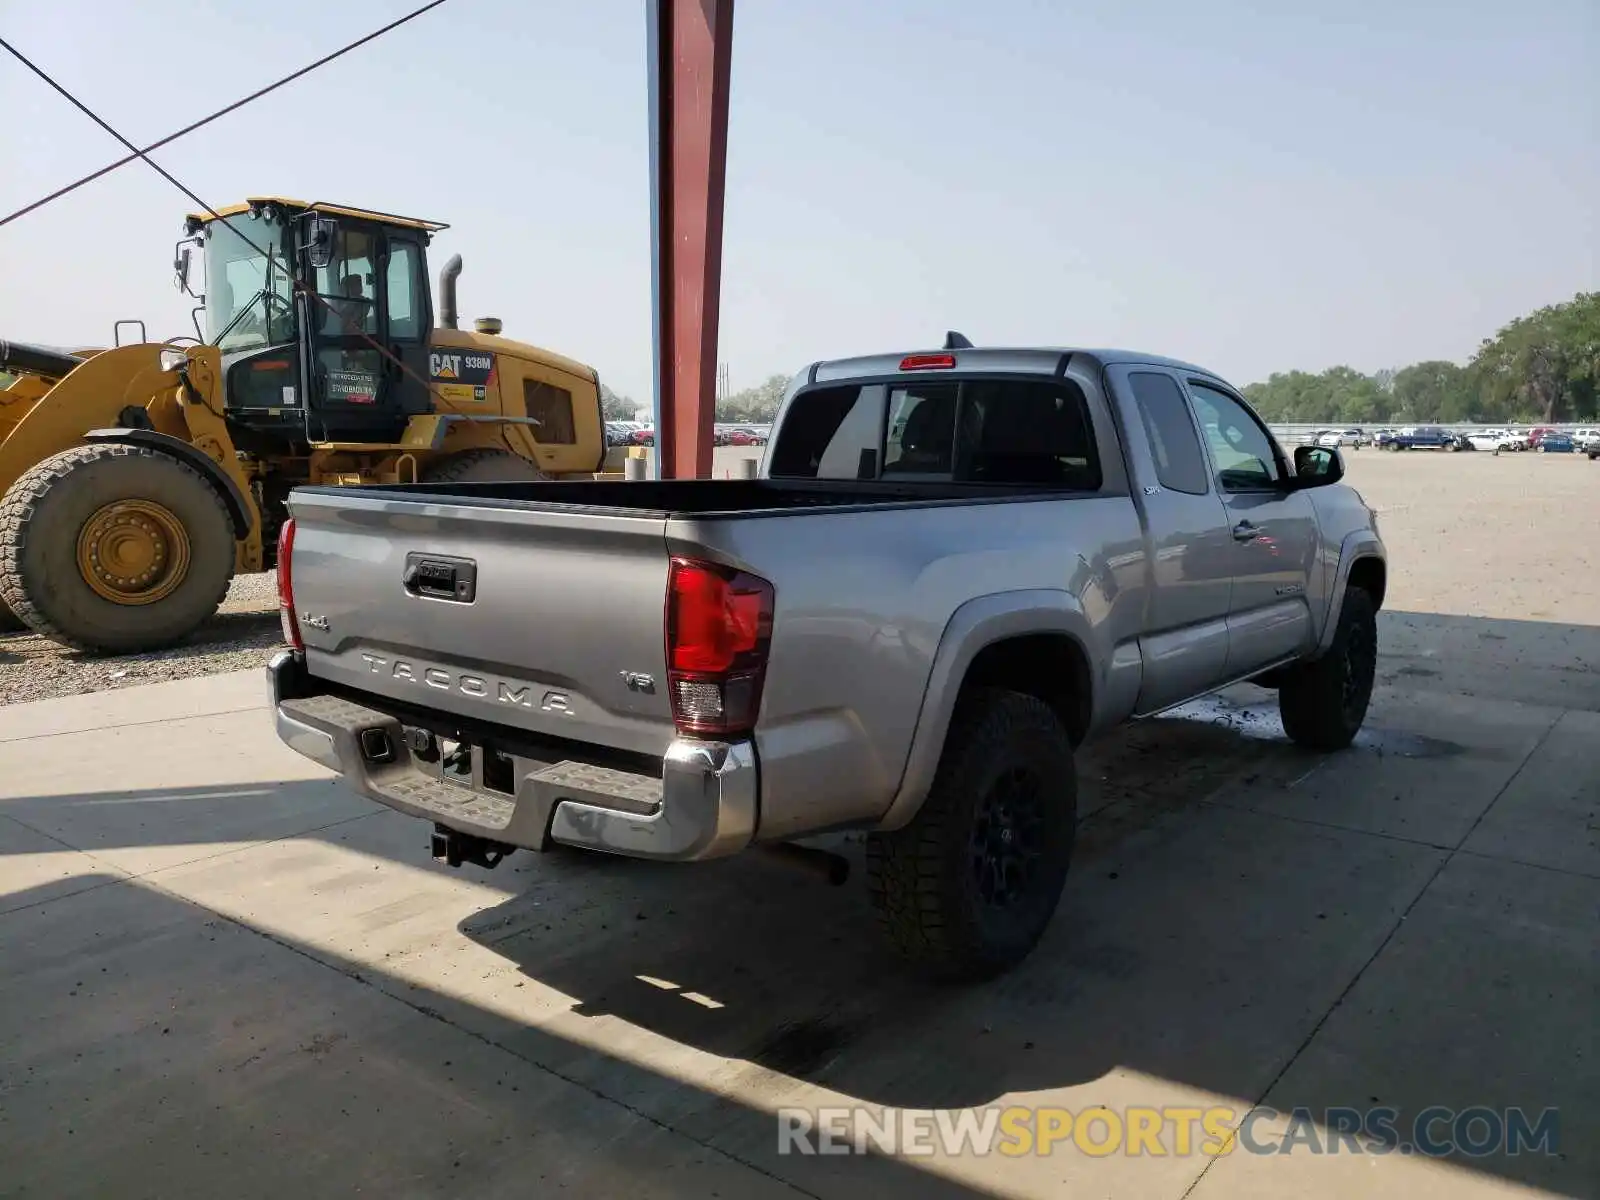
<point>983,430</point>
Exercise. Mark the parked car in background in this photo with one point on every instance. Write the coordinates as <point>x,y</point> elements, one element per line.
<point>1519,438</point>
<point>746,437</point>
<point>1587,438</point>
<point>1553,441</point>
<point>644,436</point>
<point>1422,437</point>
<point>1491,439</point>
<point>1343,437</point>
<point>1536,434</point>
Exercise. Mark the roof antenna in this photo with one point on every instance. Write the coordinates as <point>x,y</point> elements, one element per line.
<point>956,341</point>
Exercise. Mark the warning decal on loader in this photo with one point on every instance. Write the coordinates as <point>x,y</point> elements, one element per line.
<point>353,387</point>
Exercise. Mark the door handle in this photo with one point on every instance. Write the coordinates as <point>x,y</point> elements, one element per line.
<point>1245,532</point>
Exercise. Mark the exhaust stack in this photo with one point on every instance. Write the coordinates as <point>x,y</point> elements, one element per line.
<point>448,313</point>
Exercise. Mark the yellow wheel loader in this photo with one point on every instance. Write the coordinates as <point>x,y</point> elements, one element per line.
<point>137,481</point>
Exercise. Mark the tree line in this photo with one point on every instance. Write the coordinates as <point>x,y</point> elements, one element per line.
<point>1542,368</point>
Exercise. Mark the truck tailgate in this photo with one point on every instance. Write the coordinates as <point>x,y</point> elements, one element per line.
<point>547,620</point>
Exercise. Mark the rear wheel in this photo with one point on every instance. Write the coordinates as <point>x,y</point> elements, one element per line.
<point>114,549</point>
<point>1323,703</point>
<point>487,465</point>
<point>966,890</point>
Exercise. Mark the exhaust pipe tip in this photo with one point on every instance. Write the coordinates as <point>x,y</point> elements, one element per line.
<point>449,314</point>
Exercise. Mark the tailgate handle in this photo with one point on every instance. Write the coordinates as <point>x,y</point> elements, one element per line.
<point>440,577</point>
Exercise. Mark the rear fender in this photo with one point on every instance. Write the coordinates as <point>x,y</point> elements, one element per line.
<point>976,624</point>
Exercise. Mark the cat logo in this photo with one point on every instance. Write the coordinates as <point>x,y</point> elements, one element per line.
<point>465,367</point>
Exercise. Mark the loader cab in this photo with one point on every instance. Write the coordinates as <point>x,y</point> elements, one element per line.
<point>322,314</point>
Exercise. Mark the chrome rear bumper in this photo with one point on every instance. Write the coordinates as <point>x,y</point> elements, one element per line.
<point>703,803</point>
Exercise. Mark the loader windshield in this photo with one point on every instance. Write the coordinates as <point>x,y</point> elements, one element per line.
<point>248,292</point>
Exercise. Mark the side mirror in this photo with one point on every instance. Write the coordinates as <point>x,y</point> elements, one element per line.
<point>182,259</point>
<point>319,246</point>
<point>1317,466</point>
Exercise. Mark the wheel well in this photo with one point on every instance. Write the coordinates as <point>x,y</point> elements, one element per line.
<point>239,509</point>
<point>1370,575</point>
<point>1051,666</point>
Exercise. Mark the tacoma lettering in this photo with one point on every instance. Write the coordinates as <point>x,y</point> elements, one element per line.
<point>475,686</point>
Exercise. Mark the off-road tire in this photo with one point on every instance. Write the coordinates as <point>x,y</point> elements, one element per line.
<point>43,514</point>
<point>928,879</point>
<point>1323,703</point>
<point>486,465</point>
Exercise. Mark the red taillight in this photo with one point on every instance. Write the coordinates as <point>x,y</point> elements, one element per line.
<point>719,626</point>
<point>927,362</point>
<point>291,626</point>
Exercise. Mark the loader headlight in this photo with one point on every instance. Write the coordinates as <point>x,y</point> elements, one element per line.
<point>171,360</point>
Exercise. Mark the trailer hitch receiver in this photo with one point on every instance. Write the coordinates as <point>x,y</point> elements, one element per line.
<point>453,848</point>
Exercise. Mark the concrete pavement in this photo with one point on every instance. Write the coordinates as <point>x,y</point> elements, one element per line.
<point>225,975</point>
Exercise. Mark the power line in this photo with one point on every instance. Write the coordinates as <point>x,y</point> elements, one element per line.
<point>221,112</point>
<point>349,325</point>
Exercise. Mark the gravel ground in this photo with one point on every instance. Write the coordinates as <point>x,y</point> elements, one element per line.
<point>1468,534</point>
<point>241,635</point>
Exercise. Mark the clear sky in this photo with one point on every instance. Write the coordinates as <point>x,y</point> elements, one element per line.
<point>1256,186</point>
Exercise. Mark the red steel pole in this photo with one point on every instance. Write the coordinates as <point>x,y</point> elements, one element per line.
<point>691,46</point>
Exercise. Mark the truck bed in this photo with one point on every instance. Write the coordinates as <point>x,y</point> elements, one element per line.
<point>665,498</point>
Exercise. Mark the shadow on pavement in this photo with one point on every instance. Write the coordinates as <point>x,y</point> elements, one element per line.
<point>153,1048</point>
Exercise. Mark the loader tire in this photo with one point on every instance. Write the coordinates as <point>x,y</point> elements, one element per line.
<point>483,466</point>
<point>967,888</point>
<point>114,549</point>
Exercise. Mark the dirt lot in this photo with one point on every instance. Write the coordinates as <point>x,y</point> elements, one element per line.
<point>1477,535</point>
<point>1468,534</point>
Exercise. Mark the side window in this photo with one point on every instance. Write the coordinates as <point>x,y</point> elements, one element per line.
<point>1180,463</point>
<point>921,435</point>
<point>830,433</point>
<point>551,406</point>
<point>1240,448</point>
<point>346,286</point>
<point>1021,432</point>
<point>401,282</point>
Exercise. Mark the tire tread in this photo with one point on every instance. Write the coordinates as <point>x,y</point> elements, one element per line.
<point>21,503</point>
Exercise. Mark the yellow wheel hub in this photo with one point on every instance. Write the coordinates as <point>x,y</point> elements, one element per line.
<point>133,552</point>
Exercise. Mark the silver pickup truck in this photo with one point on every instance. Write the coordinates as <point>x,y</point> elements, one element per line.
<point>953,568</point>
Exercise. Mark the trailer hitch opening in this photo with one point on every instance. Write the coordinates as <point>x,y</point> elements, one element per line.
<point>453,848</point>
